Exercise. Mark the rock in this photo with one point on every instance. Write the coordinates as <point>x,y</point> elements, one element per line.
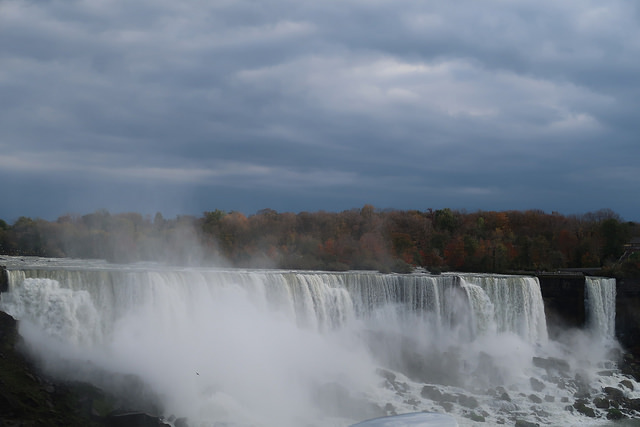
<point>388,375</point>
<point>500,393</point>
<point>475,417</point>
<point>4,279</point>
<point>551,363</point>
<point>468,401</point>
<point>601,403</point>
<point>523,423</point>
<point>549,399</point>
<point>615,414</point>
<point>582,385</point>
<point>448,397</point>
<point>390,409</point>
<point>633,404</point>
<point>431,392</point>
<point>448,406</point>
<point>535,399</point>
<point>581,407</point>
<point>26,399</point>
<point>628,384</point>
<point>614,393</point>
<point>412,402</point>
<point>536,384</point>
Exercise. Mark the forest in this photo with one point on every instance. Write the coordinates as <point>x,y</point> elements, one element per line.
<point>359,239</point>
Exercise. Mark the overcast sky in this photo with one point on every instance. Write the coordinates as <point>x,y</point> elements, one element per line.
<point>305,105</point>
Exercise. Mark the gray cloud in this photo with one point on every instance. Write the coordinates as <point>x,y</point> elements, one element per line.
<point>182,107</point>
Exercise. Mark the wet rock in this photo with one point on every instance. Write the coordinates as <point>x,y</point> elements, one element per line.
<point>523,423</point>
<point>628,384</point>
<point>448,406</point>
<point>388,375</point>
<point>505,407</point>
<point>412,402</point>
<point>475,417</point>
<point>581,383</point>
<point>534,398</point>
<point>541,413</point>
<point>500,393</point>
<point>431,392</point>
<point>447,397</point>
<point>614,393</point>
<point>536,384</point>
<point>601,403</point>
<point>390,409</point>
<point>582,408</point>
<point>551,364</point>
<point>633,404</point>
<point>468,401</point>
<point>399,387</point>
<point>615,414</point>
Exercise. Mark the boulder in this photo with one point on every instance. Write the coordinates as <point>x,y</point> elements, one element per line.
<point>536,384</point>
<point>468,401</point>
<point>628,384</point>
<point>615,414</point>
<point>614,393</point>
<point>535,399</point>
<point>551,364</point>
<point>601,403</point>
<point>581,407</point>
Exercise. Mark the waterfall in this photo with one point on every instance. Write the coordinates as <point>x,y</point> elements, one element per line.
<point>316,300</point>
<point>600,302</point>
<point>517,304</point>
<point>287,348</point>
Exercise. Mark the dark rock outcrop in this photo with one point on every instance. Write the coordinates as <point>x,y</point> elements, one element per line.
<point>563,296</point>
<point>4,279</point>
<point>28,398</point>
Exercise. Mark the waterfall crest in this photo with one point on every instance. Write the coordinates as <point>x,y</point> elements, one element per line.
<point>317,300</point>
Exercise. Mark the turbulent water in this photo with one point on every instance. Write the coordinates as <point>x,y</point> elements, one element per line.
<point>270,348</point>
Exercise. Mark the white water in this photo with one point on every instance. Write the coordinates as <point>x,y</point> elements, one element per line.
<point>601,306</point>
<point>280,348</point>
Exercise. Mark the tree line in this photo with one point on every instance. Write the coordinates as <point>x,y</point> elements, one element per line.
<point>365,238</point>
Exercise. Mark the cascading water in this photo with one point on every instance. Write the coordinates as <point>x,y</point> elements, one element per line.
<point>600,302</point>
<point>281,348</point>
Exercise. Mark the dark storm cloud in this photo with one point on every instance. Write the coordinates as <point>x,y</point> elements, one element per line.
<point>295,105</point>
